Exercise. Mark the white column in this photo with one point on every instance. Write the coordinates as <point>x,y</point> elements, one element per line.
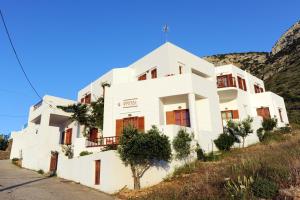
<point>193,116</point>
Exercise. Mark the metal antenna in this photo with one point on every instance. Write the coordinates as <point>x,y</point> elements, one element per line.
<point>166,30</point>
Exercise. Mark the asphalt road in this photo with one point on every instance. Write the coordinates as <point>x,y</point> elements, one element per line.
<point>22,184</point>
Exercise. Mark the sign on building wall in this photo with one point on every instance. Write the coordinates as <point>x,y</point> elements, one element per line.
<point>129,103</point>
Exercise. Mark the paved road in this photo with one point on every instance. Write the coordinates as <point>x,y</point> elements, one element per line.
<point>22,184</point>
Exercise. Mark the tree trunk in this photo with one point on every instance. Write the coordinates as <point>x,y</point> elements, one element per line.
<point>243,142</point>
<point>136,178</point>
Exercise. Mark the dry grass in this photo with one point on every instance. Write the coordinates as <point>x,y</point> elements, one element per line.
<point>278,160</point>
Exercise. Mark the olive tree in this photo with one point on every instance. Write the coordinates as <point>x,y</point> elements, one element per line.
<point>140,151</point>
<point>242,128</point>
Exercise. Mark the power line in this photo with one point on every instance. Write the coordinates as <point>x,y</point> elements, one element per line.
<point>17,57</point>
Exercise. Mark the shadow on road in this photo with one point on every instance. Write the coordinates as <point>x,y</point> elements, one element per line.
<point>21,184</point>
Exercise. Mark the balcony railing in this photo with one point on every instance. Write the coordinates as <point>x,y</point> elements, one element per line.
<point>104,141</point>
<point>223,82</point>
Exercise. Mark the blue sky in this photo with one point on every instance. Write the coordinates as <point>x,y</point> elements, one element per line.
<point>65,44</point>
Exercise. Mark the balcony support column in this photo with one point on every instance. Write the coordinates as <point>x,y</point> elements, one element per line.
<point>193,115</point>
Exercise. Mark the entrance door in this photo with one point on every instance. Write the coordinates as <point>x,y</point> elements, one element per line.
<point>97,171</point>
<point>53,161</point>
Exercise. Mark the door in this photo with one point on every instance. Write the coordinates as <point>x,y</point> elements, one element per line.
<point>97,171</point>
<point>53,161</point>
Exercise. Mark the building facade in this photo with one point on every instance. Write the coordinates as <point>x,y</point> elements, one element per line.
<point>169,88</point>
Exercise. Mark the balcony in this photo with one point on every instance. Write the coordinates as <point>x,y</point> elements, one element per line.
<point>227,89</point>
<point>103,141</point>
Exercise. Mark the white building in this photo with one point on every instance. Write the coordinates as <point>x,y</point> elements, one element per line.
<point>170,88</point>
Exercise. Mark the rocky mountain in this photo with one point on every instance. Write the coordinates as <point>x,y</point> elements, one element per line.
<point>280,68</point>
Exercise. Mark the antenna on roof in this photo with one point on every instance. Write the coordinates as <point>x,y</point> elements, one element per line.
<point>166,30</point>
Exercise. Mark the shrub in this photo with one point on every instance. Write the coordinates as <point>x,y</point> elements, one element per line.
<point>264,188</point>
<point>285,130</point>
<point>269,124</point>
<point>182,144</point>
<point>200,153</point>
<point>85,153</point>
<point>224,142</point>
<point>260,134</point>
<point>40,171</point>
<point>240,189</point>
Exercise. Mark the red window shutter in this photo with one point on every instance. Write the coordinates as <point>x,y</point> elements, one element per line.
<point>186,118</point>
<point>261,89</point>
<point>240,82</point>
<point>267,113</point>
<point>93,134</point>
<point>244,85</point>
<point>235,114</point>
<point>97,171</point>
<point>170,117</point>
<point>142,77</point>
<point>154,73</point>
<point>229,80</point>
<point>88,99</point>
<point>141,124</point>
<point>119,127</point>
<point>82,100</point>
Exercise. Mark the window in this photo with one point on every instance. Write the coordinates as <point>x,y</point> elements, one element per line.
<point>225,81</point>
<point>230,114</point>
<point>180,69</point>
<point>137,122</point>
<point>264,112</point>
<point>68,136</point>
<point>154,73</point>
<point>280,114</point>
<point>87,98</point>
<point>142,77</point>
<point>258,89</point>
<point>93,136</point>
<point>242,83</point>
<point>178,117</point>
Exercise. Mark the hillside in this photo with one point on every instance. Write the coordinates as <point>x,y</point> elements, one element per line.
<point>275,159</point>
<point>280,68</point>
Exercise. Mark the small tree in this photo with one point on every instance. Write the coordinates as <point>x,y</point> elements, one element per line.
<point>3,142</point>
<point>242,129</point>
<point>182,145</point>
<point>141,151</point>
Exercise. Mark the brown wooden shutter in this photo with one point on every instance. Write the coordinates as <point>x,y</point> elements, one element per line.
<point>93,134</point>
<point>154,73</point>
<point>97,171</point>
<point>141,124</point>
<point>235,114</point>
<point>119,127</point>
<point>229,79</point>
<point>170,117</point>
<point>82,100</point>
<point>88,98</point>
<point>240,82</point>
<point>267,113</point>
<point>244,85</point>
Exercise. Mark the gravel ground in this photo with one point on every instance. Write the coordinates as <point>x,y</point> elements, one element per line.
<point>22,184</point>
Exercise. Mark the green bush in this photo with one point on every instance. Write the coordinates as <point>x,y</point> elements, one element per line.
<point>269,124</point>
<point>264,188</point>
<point>182,144</point>
<point>200,153</point>
<point>260,134</point>
<point>85,153</point>
<point>40,171</point>
<point>224,142</point>
<point>285,130</point>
